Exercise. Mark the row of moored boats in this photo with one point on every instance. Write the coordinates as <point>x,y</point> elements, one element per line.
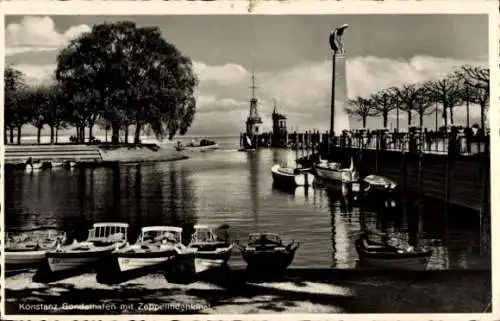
<point>155,246</point>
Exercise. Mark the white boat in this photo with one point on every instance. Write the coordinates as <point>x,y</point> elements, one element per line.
<point>197,148</point>
<point>25,248</point>
<point>102,240</point>
<point>380,183</point>
<point>34,166</point>
<point>332,171</point>
<point>154,246</point>
<point>288,176</point>
<point>212,250</point>
<point>57,164</point>
<point>70,164</point>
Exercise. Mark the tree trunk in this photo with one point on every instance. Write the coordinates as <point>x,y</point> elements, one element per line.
<point>52,134</point>
<point>91,127</point>
<point>451,117</point>
<point>364,121</point>
<point>115,133</point>
<point>126,134</point>
<point>137,135</point>
<point>409,119</point>
<point>19,134</point>
<point>483,108</point>
<point>82,134</point>
<point>385,117</point>
<point>57,134</point>
<point>39,135</point>
<point>77,134</point>
<point>11,129</point>
<point>445,117</point>
<point>421,121</point>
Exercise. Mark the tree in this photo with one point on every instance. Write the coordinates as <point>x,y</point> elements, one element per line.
<point>56,110</point>
<point>38,101</point>
<point>14,84</point>
<point>125,73</point>
<point>479,80</point>
<point>408,96</point>
<point>362,108</point>
<point>384,102</point>
<point>423,104</point>
<point>447,92</point>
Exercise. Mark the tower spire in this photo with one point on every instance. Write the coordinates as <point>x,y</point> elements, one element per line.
<point>253,84</point>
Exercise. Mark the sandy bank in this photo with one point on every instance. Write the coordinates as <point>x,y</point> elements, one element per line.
<point>145,153</point>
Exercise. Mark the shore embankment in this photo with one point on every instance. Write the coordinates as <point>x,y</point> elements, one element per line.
<point>90,154</point>
<point>299,291</point>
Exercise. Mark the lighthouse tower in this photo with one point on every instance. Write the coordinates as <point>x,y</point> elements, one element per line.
<point>253,120</point>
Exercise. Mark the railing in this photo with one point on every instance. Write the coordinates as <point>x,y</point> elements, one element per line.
<point>466,141</point>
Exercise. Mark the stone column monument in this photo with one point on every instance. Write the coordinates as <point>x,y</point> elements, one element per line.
<point>339,119</point>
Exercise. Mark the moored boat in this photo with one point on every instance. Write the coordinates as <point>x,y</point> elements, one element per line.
<point>333,172</point>
<point>102,240</point>
<point>288,176</point>
<point>212,250</point>
<point>154,246</point>
<point>202,146</point>
<point>266,252</point>
<point>381,255</point>
<point>379,183</point>
<point>27,248</point>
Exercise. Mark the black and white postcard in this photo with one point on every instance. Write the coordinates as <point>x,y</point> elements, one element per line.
<point>311,159</point>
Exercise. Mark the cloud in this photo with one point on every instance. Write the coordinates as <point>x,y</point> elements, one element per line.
<point>34,34</point>
<point>224,75</point>
<point>36,74</point>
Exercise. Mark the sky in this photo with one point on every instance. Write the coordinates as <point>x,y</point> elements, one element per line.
<point>289,54</point>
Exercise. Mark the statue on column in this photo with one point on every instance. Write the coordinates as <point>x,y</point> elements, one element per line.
<point>336,39</point>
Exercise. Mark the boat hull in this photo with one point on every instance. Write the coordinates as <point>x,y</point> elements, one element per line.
<point>415,261</point>
<point>206,260</point>
<point>301,178</point>
<point>24,257</point>
<point>133,261</point>
<point>268,261</point>
<point>61,261</point>
<point>200,148</point>
<point>334,175</point>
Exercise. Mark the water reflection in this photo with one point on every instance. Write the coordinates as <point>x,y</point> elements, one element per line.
<point>234,188</point>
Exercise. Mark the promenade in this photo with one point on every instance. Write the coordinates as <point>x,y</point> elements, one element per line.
<point>16,154</point>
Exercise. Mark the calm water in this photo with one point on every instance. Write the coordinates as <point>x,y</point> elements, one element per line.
<point>232,187</point>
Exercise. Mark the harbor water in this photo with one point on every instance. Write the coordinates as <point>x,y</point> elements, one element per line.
<point>235,188</point>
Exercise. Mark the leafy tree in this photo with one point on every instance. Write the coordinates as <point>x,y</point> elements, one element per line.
<point>129,74</point>
<point>362,108</point>
<point>447,92</point>
<point>384,102</point>
<point>14,83</point>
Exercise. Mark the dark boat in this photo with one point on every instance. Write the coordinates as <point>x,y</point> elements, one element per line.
<point>378,254</point>
<point>266,252</point>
